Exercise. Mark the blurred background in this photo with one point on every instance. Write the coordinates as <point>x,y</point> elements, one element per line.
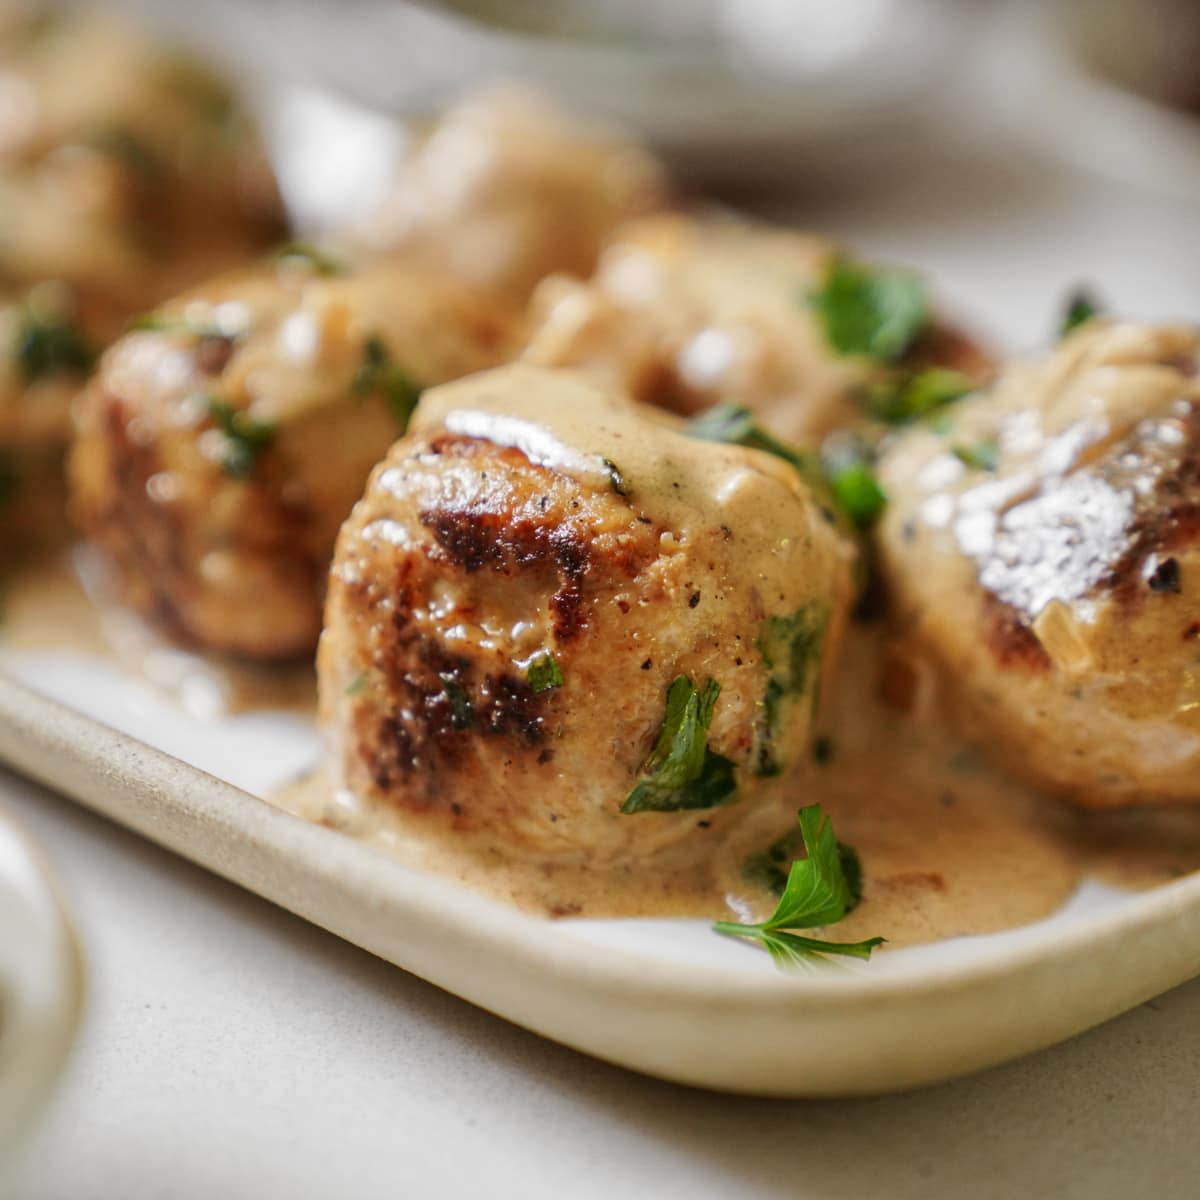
<point>943,132</point>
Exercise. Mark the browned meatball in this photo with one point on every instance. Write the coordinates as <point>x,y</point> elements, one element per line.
<point>1044,551</point>
<point>126,173</point>
<point>687,312</point>
<point>219,451</point>
<point>540,579</point>
<point>504,189</point>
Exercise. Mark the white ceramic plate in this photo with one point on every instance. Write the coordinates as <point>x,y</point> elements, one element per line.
<point>664,997</point>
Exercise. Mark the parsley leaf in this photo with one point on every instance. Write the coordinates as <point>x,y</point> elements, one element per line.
<point>735,425</point>
<point>378,375</point>
<point>245,438</point>
<point>48,343</point>
<point>790,648</point>
<point>874,312</point>
<point>769,868</point>
<point>915,396</point>
<point>174,322</point>
<point>544,673</point>
<point>818,892</point>
<point>1081,307</point>
<point>681,772</point>
<point>982,456</point>
<point>313,257</point>
<point>857,492</point>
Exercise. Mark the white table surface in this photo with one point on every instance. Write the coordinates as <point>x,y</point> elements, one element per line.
<point>230,1050</point>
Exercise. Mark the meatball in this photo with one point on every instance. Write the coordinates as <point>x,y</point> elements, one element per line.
<point>220,448</point>
<point>126,173</point>
<point>543,586</point>
<point>1043,550</point>
<point>504,189</point>
<point>690,311</point>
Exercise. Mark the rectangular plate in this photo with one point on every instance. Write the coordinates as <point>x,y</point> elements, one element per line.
<point>661,996</point>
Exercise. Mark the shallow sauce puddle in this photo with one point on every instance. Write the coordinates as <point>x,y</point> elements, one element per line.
<point>948,846</point>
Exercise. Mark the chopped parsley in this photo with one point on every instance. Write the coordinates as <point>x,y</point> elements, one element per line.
<point>544,673</point>
<point>245,438</point>
<point>818,891</point>
<point>736,426</point>
<point>1081,307</point>
<point>357,685</point>
<point>845,480</point>
<point>313,257</point>
<point>982,456</point>
<point>50,343</point>
<point>857,492</point>
<point>769,868</point>
<point>174,322</point>
<point>681,772</point>
<point>870,312</point>
<point>912,397</point>
<point>790,648</point>
<point>378,375</point>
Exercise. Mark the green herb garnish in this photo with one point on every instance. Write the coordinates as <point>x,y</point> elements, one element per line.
<point>357,685</point>
<point>681,772</point>
<point>1081,307</point>
<point>544,673</point>
<point>245,438</point>
<point>912,397</point>
<point>790,648</point>
<point>313,257</point>
<point>50,343</point>
<point>982,456</point>
<point>378,375</point>
<point>734,425</point>
<point>817,893</point>
<point>173,322</point>
<point>873,312</point>
<point>857,492</point>
<point>769,868</point>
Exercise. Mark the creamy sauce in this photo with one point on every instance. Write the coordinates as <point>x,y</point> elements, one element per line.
<point>947,845</point>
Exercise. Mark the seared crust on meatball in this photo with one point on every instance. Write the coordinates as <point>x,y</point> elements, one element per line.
<point>1044,550</point>
<point>528,574</point>
<point>220,449</point>
<point>687,312</point>
<point>504,189</point>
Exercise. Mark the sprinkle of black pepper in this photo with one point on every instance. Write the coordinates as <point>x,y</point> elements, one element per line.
<point>1166,577</point>
<point>647,665</point>
<point>693,600</point>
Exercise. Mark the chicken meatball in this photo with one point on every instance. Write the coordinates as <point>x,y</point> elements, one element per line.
<point>559,627</point>
<point>126,173</point>
<point>220,447</point>
<point>504,189</point>
<point>688,312</point>
<point>1043,549</point>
